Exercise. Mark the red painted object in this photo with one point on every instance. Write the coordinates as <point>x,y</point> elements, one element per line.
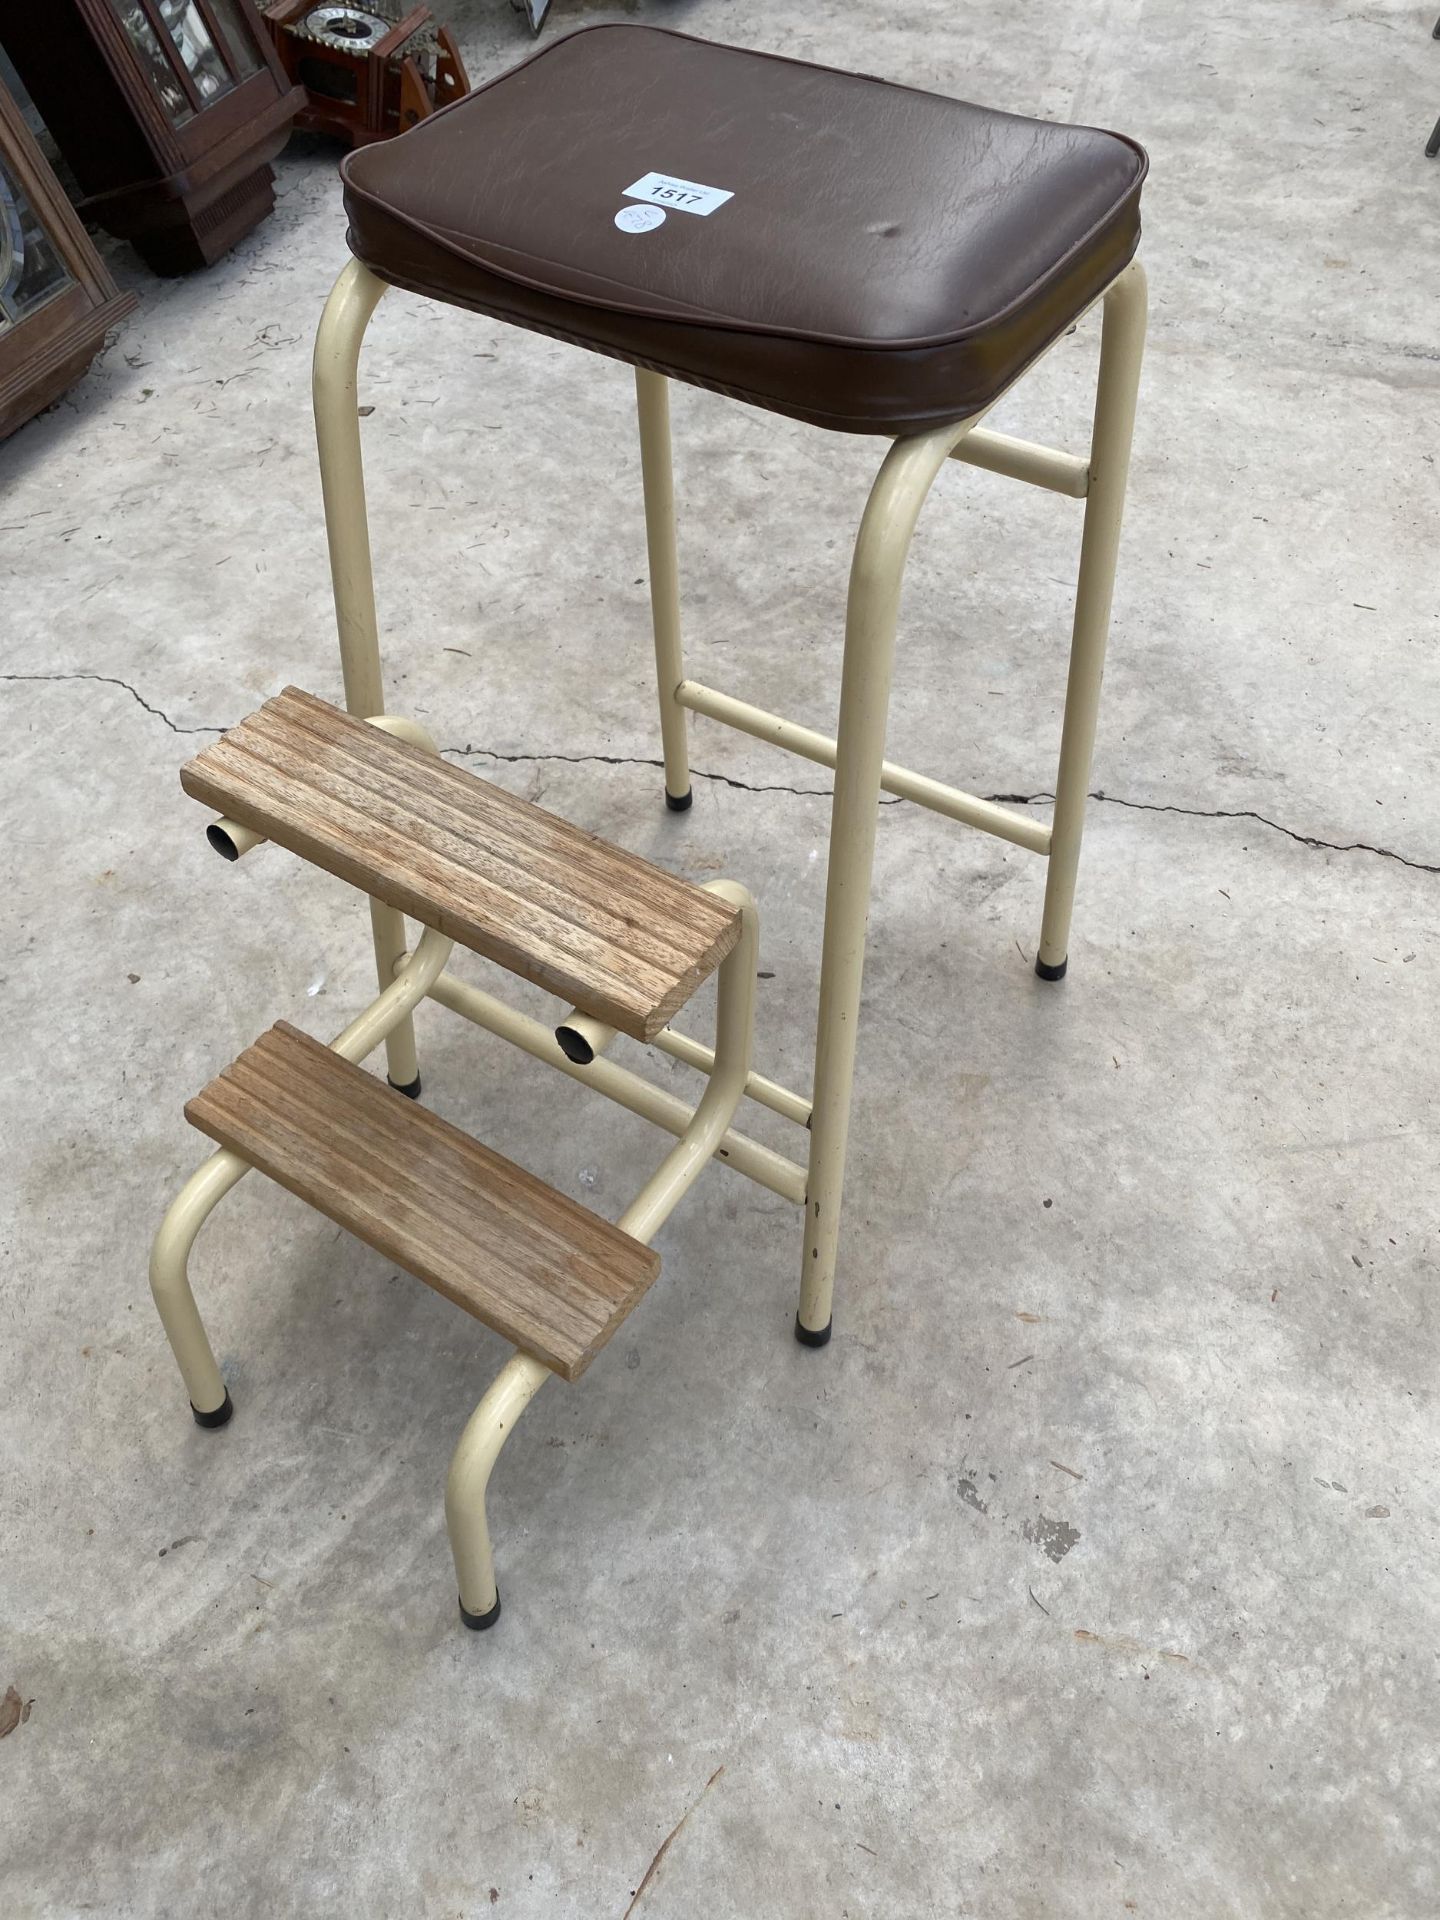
<point>369,70</point>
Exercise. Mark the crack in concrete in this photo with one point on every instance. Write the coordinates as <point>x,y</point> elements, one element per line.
<point>814,793</point>
<point>1247,813</point>
<point>638,760</point>
<point>110,680</point>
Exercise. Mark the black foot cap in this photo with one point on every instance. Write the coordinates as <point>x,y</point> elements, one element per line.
<point>412,1092</point>
<point>478,1622</point>
<point>683,804</point>
<point>809,1337</point>
<point>219,1417</point>
<point>1047,972</point>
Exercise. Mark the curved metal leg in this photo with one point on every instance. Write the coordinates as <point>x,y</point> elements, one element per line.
<point>876,575</point>
<point>1122,347</point>
<point>516,1385</point>
<point>348,312</point>
<point>652,401</point>
<point>170,1283</point>
<point>734,1034</point>
<point>209,1184</point>
<point>486,1431</point>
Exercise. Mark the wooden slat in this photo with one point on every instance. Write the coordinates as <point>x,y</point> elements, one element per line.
<point>546,1274</point>
<point>620,938</point>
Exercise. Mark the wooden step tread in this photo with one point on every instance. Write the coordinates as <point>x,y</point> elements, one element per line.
<point>546,1274</point>
<point>603,929</point>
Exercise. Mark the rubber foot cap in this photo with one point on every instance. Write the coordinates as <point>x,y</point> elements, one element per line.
<point>478,1622</point>
<point>219,1417</point>
<point>683,804</point>
<point>812,1337</point>
<point>1047,972</point>
<point>412,1092</point>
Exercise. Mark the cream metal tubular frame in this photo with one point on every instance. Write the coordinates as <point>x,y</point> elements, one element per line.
<point>632,1091</point>
<point>581,1038</point>
<point>1122,349</point>
<point>857,753</point>
<point>968,808</point>
<point>872,613</point>
<point>704,1135</point>
<point>1099,481</point>
<point>652,405</point>
<point>348,313</point>
<point>493,1421</point>
<point>1022,460</point>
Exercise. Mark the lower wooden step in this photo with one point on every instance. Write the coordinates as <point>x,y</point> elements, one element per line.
<point>543,1272</point>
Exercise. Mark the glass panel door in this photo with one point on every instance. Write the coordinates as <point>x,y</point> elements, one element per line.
<point>244,56</point>
<point>176,48</point>
<point>31,271</point>
<point>204,61</point>
<point>154,61</point>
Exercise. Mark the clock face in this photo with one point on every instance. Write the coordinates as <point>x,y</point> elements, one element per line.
<point>351,28</point>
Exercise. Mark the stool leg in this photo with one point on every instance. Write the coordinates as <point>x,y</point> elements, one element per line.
<point>170,1284</point>
<point>1122,347</point>
<point>356,295</point>
<point>876,575</point>
<point>486,1432</point>
<point>652,403</point>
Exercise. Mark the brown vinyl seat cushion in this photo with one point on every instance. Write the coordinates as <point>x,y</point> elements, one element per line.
<point>873,259</point>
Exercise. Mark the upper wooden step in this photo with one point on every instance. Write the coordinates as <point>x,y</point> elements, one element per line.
<point>621,939</point>
<point>546,1274</point>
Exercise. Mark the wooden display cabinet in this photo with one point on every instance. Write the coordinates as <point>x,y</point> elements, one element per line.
<point>167,111</point>
<point>56,299</point>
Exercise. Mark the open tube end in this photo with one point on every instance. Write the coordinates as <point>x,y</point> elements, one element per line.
<point>582,1038</point>
<point>231,839</point>
<point>575,1047</point>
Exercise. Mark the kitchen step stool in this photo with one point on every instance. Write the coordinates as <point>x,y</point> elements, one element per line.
<point>857,255</point>
<point>623,942</point>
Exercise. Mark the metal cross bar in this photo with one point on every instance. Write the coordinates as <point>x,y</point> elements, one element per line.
<point>789,734</point>
<point>1023,460</point>
<point>629,1090</point>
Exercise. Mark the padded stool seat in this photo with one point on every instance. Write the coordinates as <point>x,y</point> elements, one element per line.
<point>855,254</point>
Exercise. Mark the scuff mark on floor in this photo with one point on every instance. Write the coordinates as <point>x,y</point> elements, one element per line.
<point>970,1494</point>
<point>1121,1643</point>
<point>668,1841</point>
<point>14,1711</point>
<point>1054,1537</point>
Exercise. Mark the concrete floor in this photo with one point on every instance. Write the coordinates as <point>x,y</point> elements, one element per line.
<point>1092,1569</point>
